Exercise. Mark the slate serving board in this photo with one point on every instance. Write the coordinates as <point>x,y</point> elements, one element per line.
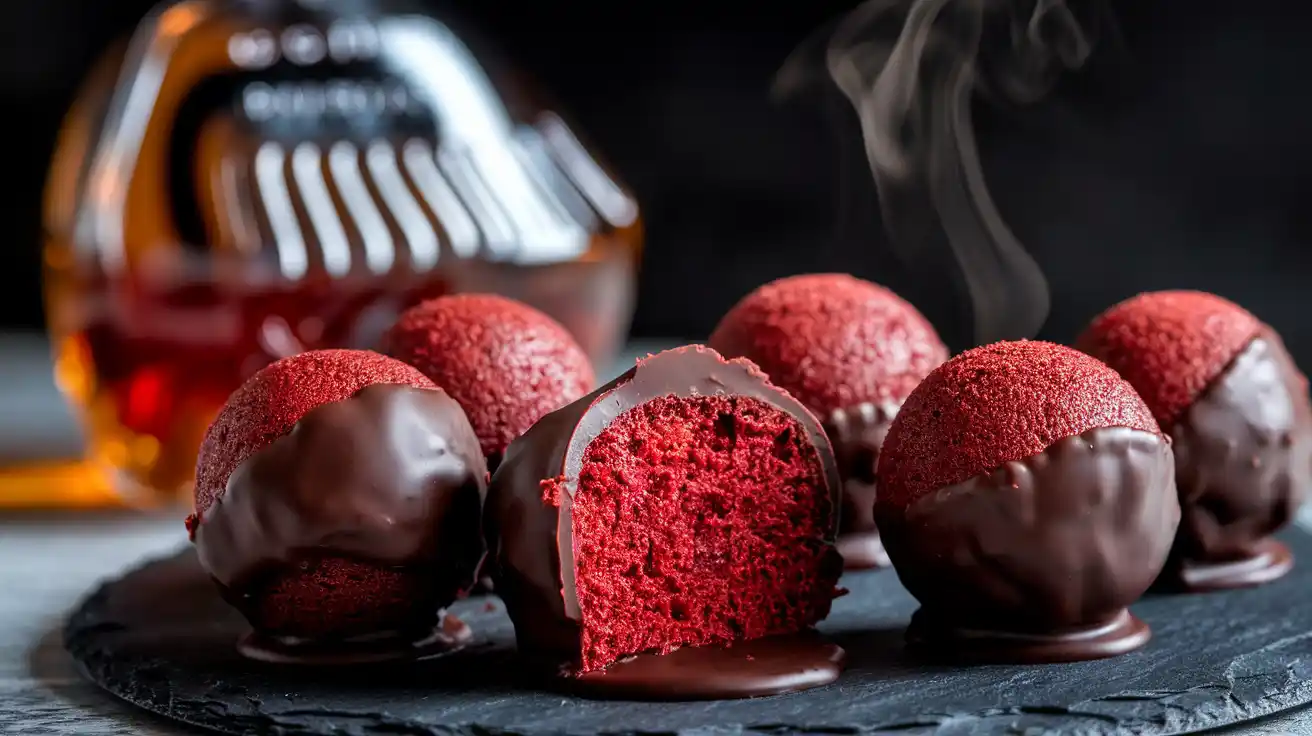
<point>160,637</point>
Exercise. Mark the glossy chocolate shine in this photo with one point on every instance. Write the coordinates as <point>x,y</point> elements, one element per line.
<point>768,666</point>
<point>857,435</point>
<point>531,540</point>
<point>1243,466</point>
<point>391,476</point>
<point>1056,544</point>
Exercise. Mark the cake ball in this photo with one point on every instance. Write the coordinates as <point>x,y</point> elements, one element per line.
<point>1027,496</point>
<point>337,507</point>
<point>505,362</point>
<point>850,351</point>
<point>687,506</point>
<point>1224,388</point>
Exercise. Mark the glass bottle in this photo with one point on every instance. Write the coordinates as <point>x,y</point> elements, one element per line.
<point>246,179</point>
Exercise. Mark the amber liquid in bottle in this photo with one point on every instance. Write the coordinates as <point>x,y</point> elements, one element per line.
<point>250,180</point>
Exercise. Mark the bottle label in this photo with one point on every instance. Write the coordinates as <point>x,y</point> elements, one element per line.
<point>361,146</point>
<point>264,102</point>
<point>303,44</point>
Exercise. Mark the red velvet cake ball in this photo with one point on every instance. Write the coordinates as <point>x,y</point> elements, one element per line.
<point>337,497</point>
<point>851,351</point>
<point>505,362</point>
<point>1026,498</point>
<point>1222,385</point>
<point>686,506</point>
<point>832,340</point>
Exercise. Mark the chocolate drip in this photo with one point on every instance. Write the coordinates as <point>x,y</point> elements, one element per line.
<point>530,539</point>
<point>857,435</point>
<point>392,476</point>
<point>1243,454</point>
<point>1037,559</point>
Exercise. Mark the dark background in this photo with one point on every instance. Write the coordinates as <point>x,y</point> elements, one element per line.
<point>1183,164</point>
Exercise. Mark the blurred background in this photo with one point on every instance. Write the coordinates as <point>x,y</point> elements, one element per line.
<point>1185,166</point>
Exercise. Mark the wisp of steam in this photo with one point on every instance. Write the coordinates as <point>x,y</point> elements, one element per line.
<point>912,68</point>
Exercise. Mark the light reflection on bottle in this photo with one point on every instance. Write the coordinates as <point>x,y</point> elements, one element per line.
<point>380,251</point>
<point>419,234</point>
<point>293,256</point>
<point>307,172</point>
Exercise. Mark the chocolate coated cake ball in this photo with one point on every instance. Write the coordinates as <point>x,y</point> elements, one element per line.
<point>1027,496</point>
<point>686,506</point>
<point>337,507</point>
<point>1222,385</point>
<point>851,351</point>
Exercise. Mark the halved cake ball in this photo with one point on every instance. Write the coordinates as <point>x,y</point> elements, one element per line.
<point>1222,385</point>
<point>505,362</point>
<point>1027,496</point>
<point>685,507</point>
<point>851,351</point>
<point>337,507</point>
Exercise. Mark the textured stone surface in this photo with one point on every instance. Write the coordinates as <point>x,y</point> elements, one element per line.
<point>47,564</point>
<point>161,638</point>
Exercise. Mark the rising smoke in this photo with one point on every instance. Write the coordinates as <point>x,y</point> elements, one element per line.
<point>912,69</point>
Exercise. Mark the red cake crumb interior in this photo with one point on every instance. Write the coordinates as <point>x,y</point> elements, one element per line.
<point>699,521</point>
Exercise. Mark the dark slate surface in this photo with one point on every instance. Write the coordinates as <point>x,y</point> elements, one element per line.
<point>161,638</point>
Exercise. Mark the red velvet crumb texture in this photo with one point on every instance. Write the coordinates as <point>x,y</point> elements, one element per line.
<point>334,596</point>
<point>832,340</point>
<point>505,363</point>
<point>699,521</point>
<point>1170,345</point>
<point>996,404</point>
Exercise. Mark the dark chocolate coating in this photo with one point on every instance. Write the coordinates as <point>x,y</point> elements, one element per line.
<point>1056,544</point>
<point>392,476</point>
<point>1243,456</point>
<point>530,540</point>
<point>748,669</point>
<point>857,435</point>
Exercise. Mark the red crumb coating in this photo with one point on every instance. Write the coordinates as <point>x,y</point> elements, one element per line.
<point>832,340</point>
<point>334,595</point>
<point>1170,345</point>
<point>995,404</point>
<point>699,521</point>
<point>504,362</point>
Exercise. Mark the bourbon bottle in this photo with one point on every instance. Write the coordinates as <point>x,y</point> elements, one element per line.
<point>246,179</point>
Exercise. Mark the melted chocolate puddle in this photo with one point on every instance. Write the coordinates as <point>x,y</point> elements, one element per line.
<point>746,669</point>
<point>1268,560</point>
<point>937,639</point>
<point>451,635</point>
